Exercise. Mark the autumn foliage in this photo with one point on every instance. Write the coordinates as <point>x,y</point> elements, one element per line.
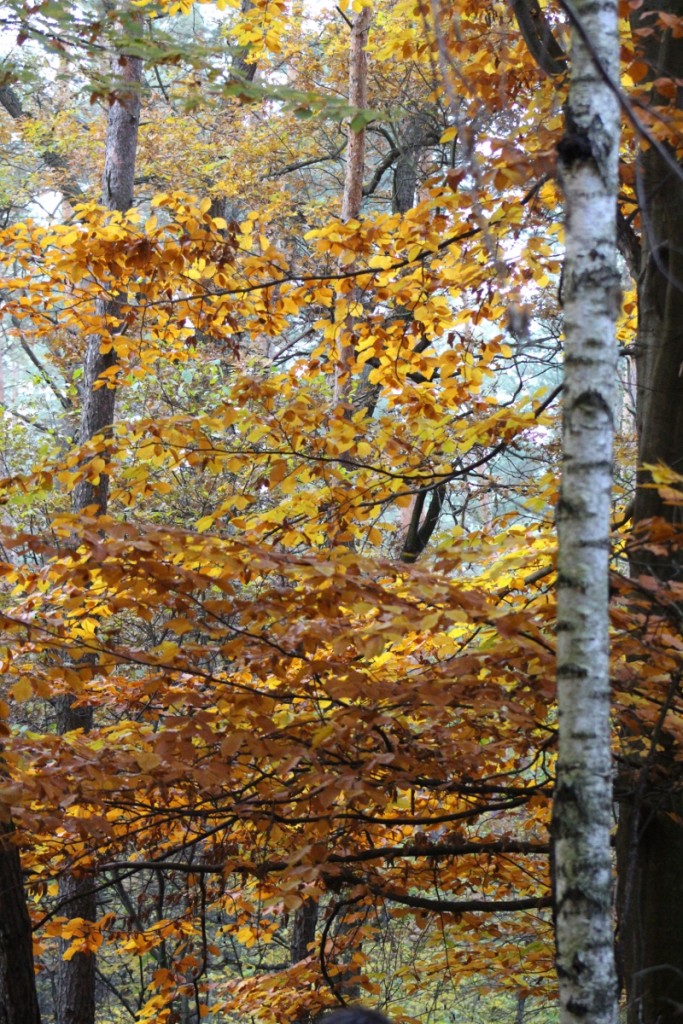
<point>315,625</point>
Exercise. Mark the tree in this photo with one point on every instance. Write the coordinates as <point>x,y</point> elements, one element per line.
<point>311,625</point>
<point>582,804</point>
<point>18,999</point>
<point>650,836</point>
<point>76,991</point>
<point>187,230</point>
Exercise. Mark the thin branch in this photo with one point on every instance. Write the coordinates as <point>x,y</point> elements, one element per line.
<point>462,906</point>
<point>346,275</point>
<point>298,165</point>
<point>112,988</point>
<point>343,15</point>
<point>390,853</point>
<point>63,399</point>
<point>379,172</point>
<point>31,423</point>
<point>444,478</point>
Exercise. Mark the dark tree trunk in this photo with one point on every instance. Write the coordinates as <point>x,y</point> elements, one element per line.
<point>76,977</point>
<point>650,834</point>
<point>651,898</point>
<point>97,415</point>
<point>18,999</point>
<point>76,987</point>
<point>415,134</point>
<point>304,925</point>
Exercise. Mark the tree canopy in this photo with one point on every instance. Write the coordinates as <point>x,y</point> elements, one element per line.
<point>281,447</point>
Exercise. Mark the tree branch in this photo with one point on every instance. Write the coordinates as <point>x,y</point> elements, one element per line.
<point>298,165</point>
<point>539,37</point>
<point>419,533</point>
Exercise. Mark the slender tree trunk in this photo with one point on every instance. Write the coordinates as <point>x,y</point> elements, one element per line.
<point>97,416</point>
<point>358,97</point>
<point>243,67</point>
<point>650,835</point>
<point>18,999</point>
<point>353,183</point>
<point>76,989</point>
<point>303,928</point>
<point>582,811</point>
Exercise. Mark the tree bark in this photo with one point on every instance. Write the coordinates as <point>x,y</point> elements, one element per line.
<point>358,97</point>
<point>97,415</point>
<point>651,902</point>
<point>353,181</point>
<point>582,811</point>
<point>650,836</point>
<point>76,983</point>
<point>414,134</point>
<point>660,287</point>
<point>304,924</point>
<point>18,999</point>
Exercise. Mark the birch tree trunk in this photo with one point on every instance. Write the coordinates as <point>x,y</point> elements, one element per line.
<point>76,981</point>
<point>582,812</point>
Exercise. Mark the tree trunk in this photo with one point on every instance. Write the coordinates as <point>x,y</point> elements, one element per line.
<point>649,856</point>
<point>97,416</point>
<point>353,184</point>
<point>660,290</point>
<point>582,810</point>
<point>18,999</point>
<point>358,97</point>
<point>76,988</point>
<point>650,835</point>
<point>304,924</point>
<point>414,134</point>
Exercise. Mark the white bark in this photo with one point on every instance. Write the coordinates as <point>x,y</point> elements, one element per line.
<point>582,814</point>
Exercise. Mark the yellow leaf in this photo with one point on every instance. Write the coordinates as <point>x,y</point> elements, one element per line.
<point>320,735</point>
<point>180,626</point>
<point>147,760</point>
<point>22,690</point>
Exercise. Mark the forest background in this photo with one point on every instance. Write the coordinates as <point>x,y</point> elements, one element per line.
<point>280,383</point>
